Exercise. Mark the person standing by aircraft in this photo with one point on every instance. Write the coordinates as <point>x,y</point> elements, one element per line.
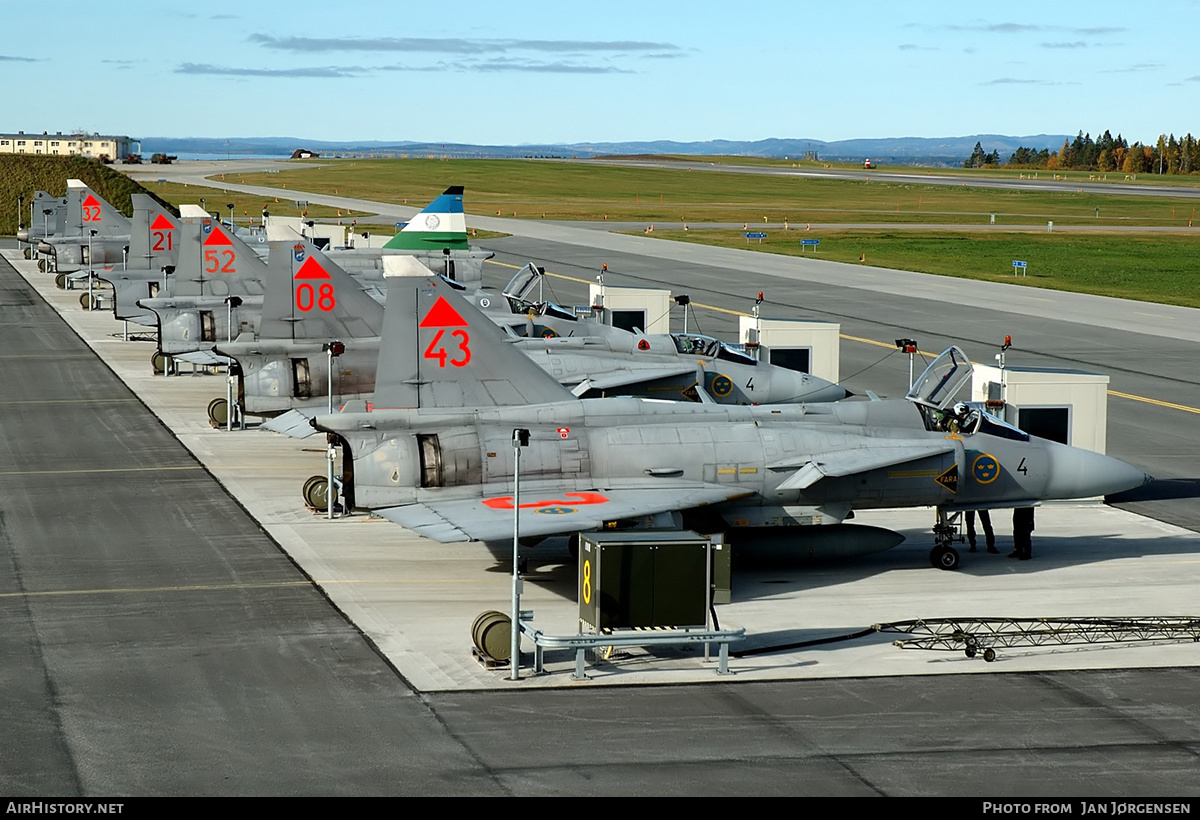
<point>989,536</point>
<point>1022,533</point>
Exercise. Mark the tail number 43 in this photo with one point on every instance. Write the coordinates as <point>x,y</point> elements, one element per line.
<point>461,351</point>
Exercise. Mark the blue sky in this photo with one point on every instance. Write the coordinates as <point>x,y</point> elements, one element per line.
<point>504,73</point>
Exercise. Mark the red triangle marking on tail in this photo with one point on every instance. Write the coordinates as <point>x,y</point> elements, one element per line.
<point>162,224</point>
<point>218,237</point>
<point>311,269</point>
<point>91,200</point>
<point>443,315</point>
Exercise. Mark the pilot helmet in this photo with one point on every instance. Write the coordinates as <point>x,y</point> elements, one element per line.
<point>961,409</point>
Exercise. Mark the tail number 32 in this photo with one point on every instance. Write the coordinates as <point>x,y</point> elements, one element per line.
<point>458,355</point>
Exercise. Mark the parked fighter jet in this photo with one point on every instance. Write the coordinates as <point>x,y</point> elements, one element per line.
<point>93,233</point>
<point>47,215</point>
<point>440,459</point>
<point>154,240</point>
<point>284,368</point>
<point>677,366</point>
<point>216,293</point>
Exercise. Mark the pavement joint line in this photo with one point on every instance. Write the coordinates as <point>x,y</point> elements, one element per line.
<point>104,470</point>
<point>261,585</point>
<point>70,401</point>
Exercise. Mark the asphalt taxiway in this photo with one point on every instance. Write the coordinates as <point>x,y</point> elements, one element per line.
<point>112,549</point>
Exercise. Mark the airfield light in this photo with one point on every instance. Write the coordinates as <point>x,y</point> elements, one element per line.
<point>683,300</point>
<point>908,346</point>
<point>229,205</point>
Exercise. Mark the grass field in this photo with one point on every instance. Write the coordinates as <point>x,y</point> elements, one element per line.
<point>1152,269</point>
<point>245,206</point>
<point>579,191</point>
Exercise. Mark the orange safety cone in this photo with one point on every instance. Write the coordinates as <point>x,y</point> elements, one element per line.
<point>862,258</point>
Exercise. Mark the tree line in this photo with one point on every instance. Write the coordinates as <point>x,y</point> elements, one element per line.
<point>1169,155</point>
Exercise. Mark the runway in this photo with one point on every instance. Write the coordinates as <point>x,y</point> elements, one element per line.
<point>191,658</point>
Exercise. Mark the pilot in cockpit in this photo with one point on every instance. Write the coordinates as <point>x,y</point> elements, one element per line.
<point>964,420</point>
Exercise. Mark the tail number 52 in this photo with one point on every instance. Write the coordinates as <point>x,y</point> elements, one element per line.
<point>438,351</point>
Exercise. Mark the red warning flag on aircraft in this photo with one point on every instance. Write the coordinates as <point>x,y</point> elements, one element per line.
<point>218,237</point>
<point>311,269</point>
<point>443,315</point>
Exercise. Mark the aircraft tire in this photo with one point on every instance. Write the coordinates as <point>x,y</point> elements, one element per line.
<point>969,651</point>
<point>26,253</point>
<point>42,266</point>
<point>159,362</point>
<point>218,412</point>
<point>989,654</point>
<point>944,558</point>
<point>60,281</point>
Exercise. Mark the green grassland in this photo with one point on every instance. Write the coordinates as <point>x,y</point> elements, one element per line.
<point>1162,269</point>
<point>245,206</point>
<point>533,189</point>
<point>21,175</point>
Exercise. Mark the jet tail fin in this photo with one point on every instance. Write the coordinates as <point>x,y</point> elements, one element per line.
<point>441,224</point>
<point>307,296</point>
<point>88,211</point>
<point>439,350</point>
<point>215,262</point>
<point>154,234</point>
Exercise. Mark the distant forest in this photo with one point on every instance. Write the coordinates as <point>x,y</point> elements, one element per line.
<point>1105,153</point>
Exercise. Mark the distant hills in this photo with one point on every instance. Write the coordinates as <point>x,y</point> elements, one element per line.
<point>891,150</point>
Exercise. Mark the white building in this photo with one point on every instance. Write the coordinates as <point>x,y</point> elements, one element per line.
<point>95,146</point>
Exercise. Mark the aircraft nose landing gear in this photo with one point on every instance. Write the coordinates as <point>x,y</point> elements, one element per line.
<point>943,555</point>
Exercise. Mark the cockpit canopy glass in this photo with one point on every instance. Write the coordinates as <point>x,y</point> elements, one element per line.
<point>692,344</point>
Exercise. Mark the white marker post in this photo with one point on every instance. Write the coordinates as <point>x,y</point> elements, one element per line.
<point>333,349</point>
<point>520,438</point>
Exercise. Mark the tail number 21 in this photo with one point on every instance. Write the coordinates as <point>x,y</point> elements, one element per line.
<point>438,351</point>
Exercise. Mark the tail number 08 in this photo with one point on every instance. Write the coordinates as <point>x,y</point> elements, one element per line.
<point>308,297</point>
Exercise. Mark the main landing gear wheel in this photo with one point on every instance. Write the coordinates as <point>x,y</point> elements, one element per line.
<point>218,412</point>
<point>60,281</point>
<point>944,557</point>
<point>314,493</point>
<point>989,654</point>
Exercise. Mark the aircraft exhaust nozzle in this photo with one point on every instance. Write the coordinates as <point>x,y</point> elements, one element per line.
<point>1076,473</point>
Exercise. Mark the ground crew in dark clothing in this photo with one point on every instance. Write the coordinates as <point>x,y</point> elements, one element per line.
<point>989,537</point>
<point>1022,533</point>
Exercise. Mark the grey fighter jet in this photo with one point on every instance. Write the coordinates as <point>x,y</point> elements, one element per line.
<point>285,369</point>
<point>93,232</point>
<point>47,215</point>
<point>436,453</point>
<point>677,366</point>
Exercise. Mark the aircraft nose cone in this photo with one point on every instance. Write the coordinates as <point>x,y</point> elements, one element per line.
<point>805,388</point>
<point>23,235</point>
<point>45,247</point>
<point>1076,473</point>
